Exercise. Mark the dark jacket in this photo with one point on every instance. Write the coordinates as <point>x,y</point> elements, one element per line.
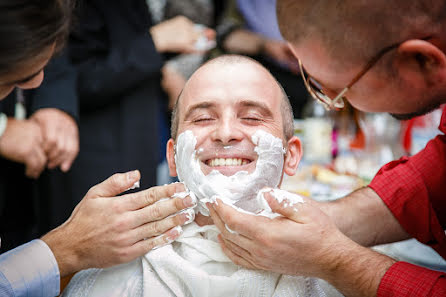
<point>29,208</point>
<point>119,92</point>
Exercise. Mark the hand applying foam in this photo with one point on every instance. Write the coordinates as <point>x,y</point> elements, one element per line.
<point>303,241</point>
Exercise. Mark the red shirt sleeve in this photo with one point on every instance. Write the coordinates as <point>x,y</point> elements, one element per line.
<point>413,188</point>
<point>404,279</point>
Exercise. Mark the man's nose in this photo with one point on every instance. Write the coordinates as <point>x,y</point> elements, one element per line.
<point>227,131</point>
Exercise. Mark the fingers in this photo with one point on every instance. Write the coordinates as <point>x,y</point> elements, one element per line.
<point>114,185</point>
<point>245,224</point>
<point>299,212</point>
<point>202,220</point>
<point>237,255</point>
<point>239,239</point>
<point>146,245</point>
<point>72,149</point>
<point>159,211</point>
<point>35,163</point>
<point>148,197</point>
<point>156,228</point>
<point>61,145</point>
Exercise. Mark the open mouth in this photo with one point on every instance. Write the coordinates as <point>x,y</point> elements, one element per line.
<point>217,162</point>
<point>228,165</point>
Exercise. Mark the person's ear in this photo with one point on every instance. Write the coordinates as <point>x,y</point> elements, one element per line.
<point>421,63</point>
<point>170,155</point>
<point>293,156</point>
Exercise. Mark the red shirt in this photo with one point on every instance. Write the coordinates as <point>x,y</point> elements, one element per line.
<point>414,189</point>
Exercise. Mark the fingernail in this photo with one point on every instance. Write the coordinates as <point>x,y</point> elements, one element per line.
<point>134,186</point>
<point>174,233</point>
<point>133,174</point>
<point>189,215</point>
<point>190,201</point>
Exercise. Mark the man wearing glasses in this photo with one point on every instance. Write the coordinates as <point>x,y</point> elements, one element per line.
<point>381,56</point>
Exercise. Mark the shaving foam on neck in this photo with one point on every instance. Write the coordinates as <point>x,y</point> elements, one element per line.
<point>239,190</point>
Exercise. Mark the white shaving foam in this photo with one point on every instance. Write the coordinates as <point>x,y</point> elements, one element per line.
<point>288,199</point>
<point>240,190</point>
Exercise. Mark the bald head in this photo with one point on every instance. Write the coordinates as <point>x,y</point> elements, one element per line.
<point>235,62</point>
<point>355,30</point>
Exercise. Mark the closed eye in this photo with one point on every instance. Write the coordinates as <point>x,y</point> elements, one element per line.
<point>202,120</point>
<point>252,119</point>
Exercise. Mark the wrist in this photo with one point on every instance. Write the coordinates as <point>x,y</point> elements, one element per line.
<point>356,270</point>
<point>63,251</point>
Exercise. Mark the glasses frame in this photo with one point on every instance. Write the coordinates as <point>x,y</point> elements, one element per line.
<point>338,102</point>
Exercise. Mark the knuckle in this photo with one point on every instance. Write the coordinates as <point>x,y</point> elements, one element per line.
<point>52,141</point>
<point>177,220</point>
<point>123,255</point>
<point>121,224</point>
<point>258,253</point>
<point>178,203</point>
<point>155,212</point>
<point>115,179</point>
<point>156,228</point>
<point>150,197</point>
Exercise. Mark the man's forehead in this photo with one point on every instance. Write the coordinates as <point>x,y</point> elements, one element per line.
<point>230,82</point>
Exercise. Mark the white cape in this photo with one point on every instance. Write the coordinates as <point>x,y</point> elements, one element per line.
<point>195,266</point>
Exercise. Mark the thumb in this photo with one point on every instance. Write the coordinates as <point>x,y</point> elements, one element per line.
<point>299,210</point>
<point>114,185</point>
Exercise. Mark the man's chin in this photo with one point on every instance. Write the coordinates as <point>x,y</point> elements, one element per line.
<point>408,116</point>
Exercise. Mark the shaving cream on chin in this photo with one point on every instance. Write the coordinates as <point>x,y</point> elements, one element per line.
<point>239,190</point>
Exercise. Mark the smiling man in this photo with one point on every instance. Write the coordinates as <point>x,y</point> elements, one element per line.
<point>381,56</point>
<point>232,136</point>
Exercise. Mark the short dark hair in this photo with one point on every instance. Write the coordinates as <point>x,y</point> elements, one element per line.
<point>27,27</point>
<point>285,106</point>
<point>356,30</point>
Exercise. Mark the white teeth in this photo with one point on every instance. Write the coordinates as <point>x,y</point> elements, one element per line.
<point>227,162</point>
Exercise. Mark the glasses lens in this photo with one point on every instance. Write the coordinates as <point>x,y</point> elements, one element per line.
<point>315,90</point>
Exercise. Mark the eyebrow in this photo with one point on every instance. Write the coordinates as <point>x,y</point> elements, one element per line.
<point>201,105</point>
<point>264,109</point>
<point>257,104</point>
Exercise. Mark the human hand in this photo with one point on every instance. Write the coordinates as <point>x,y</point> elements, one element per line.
<point>104,230</point>
<point>179,35</point>
<point>60,137</point>
<point>295,244</point>
<point>302,242</point>
<point>22,142</point>
<point>172,82</point>
<point>280,51</point>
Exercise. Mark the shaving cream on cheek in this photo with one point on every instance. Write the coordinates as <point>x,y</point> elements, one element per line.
<point>239,190</point>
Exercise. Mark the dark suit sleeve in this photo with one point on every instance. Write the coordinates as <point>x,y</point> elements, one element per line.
<point>58,89</point>
<point>107,69</point>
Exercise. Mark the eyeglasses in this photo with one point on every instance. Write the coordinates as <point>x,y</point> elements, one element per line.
<point>315,88</point>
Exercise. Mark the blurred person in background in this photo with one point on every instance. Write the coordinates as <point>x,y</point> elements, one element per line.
<point>41,132</point>
<point>118,51</point>
<point>249,27</point>
<point>178,67</point>
<point>32,31</point>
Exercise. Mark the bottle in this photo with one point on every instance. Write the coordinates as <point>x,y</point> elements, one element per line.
<point>318,129</point>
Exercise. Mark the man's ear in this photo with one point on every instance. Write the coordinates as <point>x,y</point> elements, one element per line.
<point>170,155</point>
<point>421,64</point>
<point>293,156</point>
